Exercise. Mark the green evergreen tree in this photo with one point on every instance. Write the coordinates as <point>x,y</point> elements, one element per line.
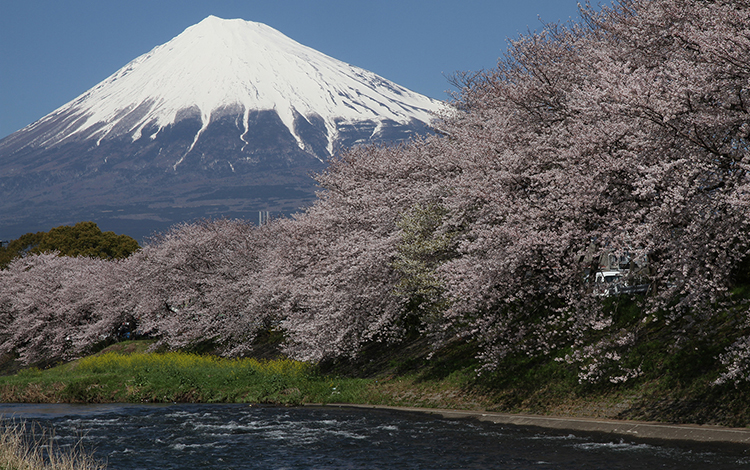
<point>82,239</point>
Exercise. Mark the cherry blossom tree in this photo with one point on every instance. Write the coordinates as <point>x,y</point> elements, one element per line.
<point>335,261</point>
<point>198,285</point>
<point>627,132</point>
<point>55,308</point>
<point>624,135</point>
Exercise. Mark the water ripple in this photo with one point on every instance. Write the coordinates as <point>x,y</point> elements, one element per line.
<point>224,437</point>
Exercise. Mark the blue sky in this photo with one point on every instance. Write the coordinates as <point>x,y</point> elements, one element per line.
<point>51,51</point>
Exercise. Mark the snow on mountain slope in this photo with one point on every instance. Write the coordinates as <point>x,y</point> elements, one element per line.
<point>227,119</point>
<point>220,66</point>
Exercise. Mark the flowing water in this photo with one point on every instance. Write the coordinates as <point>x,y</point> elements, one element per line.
<point>181,436</point>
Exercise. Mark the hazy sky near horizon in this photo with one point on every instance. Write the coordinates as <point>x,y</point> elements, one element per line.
<point>52,51</point>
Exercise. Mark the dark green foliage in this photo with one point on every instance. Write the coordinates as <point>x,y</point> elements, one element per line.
<point>82,239</point>
<point>19,247</point>
<point>530,384</point>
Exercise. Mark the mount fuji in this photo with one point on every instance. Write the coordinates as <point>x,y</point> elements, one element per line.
<point>227,119</point>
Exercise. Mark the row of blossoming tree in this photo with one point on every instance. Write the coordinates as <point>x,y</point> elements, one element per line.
<point>623,134</point>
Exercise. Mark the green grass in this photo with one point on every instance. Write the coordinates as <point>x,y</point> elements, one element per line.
<point>126,373</point>
<point>176,377</point>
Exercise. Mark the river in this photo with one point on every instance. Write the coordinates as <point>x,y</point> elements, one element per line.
<point>189,436</point>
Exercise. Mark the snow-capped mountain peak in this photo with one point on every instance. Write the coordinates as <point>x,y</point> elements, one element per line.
<point>227,119</point>
<point>234,66</point>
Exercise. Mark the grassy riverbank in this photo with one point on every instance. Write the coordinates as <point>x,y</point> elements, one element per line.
<point>125,373</point>
<point>674,388</point>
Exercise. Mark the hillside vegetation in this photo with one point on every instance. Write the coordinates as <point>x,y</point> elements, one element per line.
<point>577,229</point>
<point>407,374</point>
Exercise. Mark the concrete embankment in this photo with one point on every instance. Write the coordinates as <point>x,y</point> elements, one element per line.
<point>637,429</point>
